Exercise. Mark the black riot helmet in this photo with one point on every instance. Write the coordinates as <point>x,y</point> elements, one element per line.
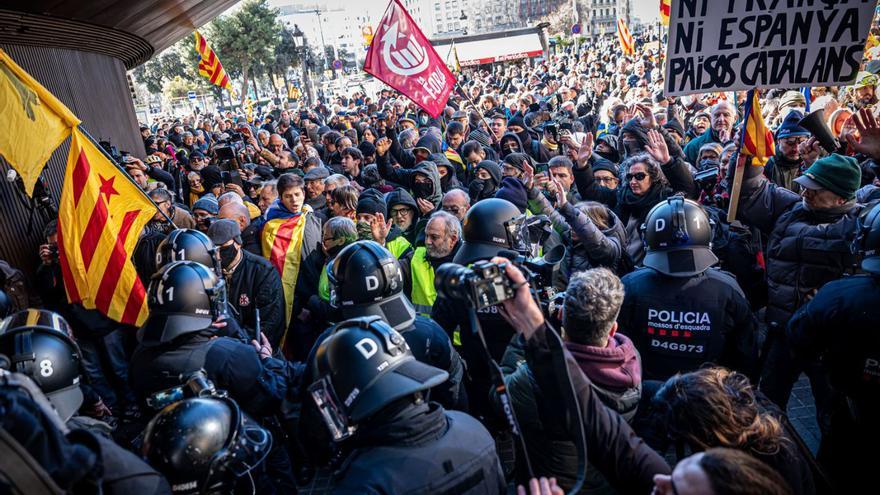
<point>187,245</point>
<point>363,366</point>
<point>867,241</point>
<point>39,344</point>
<point>490,226</point>
<point>204,444</point>
<point>678,238</point>
<point>366,279</point>
<point>184,297</point>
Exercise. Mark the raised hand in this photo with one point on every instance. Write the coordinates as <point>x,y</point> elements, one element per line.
<point>585,151</point>
<point>382,146</point>
<point>380,228</point>
<point>868,142</point>
<point>560,194</point>
<point>656,147</point>
<point>528,176</point>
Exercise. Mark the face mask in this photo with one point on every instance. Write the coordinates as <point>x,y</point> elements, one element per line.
<point>423,189</point>
<point>631,146</point>
<point>364,231</point>
<point>227,255</point>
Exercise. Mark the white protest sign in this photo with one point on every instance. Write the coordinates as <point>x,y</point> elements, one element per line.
<point>730,45</point>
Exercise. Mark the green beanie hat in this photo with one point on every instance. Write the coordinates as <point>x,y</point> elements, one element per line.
<point>837,173</point>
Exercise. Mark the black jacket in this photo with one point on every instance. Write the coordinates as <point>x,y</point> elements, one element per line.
<point>678,323</point>
<point>422,449</point>
<point>258,385</point>
<point>625,459</point>
<point>254,283</point>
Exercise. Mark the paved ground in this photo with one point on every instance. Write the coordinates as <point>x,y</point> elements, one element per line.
<point>801,412</point>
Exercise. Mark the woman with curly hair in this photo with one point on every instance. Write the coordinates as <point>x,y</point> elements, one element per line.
<point>721,471</point>
<point>717,407</point>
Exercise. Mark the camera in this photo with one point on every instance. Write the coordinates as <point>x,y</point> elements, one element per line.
<point>484,284</point>
<point>706,179</point>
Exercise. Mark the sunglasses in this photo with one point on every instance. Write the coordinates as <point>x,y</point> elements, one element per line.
<point>639,176</point>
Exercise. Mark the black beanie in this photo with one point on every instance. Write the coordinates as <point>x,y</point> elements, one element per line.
<point>372,202</point>
<point>211,176</point>
<point>514,190</point>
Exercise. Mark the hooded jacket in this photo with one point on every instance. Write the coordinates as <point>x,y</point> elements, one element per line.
<point>490,186</point>
<point>450,181</point>
<point>507,137</point>
<point>403,197</point>
<point>614,372</point>
<point>406,158</point>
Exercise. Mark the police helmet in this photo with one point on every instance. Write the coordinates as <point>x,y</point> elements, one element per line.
<point>187,245</point>
<point>204,444</point>
<point>678,238</point>
<point>40,344</point>
<point>363,366</point>
<point>867,240</point>
<point>183,297</point>
<point>366,279</point>
<point>492,225</point>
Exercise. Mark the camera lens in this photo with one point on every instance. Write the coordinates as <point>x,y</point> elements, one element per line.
<point>450,280</point>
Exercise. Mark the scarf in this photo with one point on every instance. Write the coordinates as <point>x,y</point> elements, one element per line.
<point>630,204</point>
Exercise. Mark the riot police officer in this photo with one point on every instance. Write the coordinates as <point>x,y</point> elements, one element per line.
<point>491,226</point>
<point>678,311</point>
<point>39,345</point>
<point>180,336</point>
<point>231,446</point>
<point>839,325</point>
<point>366,280</point>
<point>187,245</point>
<point>370,390</point>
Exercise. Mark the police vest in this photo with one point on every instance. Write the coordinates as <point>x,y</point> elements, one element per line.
<point>423,292</point>
<point>398,246</point>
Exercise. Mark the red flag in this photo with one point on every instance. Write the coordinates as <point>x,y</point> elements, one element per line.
<point>403,58</point>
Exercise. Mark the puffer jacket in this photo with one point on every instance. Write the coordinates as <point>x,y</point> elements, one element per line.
<point>806,249</point>
<point>595,247</point>
<point>615,375</point>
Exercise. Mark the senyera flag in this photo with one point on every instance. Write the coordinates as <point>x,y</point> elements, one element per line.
<point>403,58</point>
<point>757,140</point>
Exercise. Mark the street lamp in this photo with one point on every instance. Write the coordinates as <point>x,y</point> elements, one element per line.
<point>299,42</point>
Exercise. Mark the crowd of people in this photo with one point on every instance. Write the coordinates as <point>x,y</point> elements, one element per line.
<point>355,287</point>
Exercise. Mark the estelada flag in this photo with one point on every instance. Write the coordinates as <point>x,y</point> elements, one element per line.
<point>757,140</point>
<point>627,45</point>
<point>665,9</point>
<point>282,245</point>
<point>209,64</point>
<point>35,123</point>
<point>403,58</point>
<point>100,217</point>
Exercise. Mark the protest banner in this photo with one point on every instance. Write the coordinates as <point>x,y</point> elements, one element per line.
<point>730,45</point>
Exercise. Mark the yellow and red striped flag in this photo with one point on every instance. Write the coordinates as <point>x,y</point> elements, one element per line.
<point>757,140</point>
<point>665,10</point>
<point>100,216</point>
<point>282,245</point>
<point>209,64</point>
<point>627,45</point>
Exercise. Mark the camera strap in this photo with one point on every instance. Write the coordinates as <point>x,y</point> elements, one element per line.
<point>500,388</point>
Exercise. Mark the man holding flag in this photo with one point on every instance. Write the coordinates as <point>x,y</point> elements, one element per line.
<point>809,239</point>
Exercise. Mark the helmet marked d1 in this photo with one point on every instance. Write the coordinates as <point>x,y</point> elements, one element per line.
<point>183,297</point>
<point>366,280</point>
<point>186,245</point>
<point>363,366</point>
<point>678,238</point>
<point>40,344</point>
<point>490,226</point>
<point>204,444</point>
<point>867,240</point>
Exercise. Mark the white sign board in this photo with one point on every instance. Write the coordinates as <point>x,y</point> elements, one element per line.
<point>730,45</point>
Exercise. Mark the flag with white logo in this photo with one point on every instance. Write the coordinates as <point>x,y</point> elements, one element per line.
<point>403,58</point>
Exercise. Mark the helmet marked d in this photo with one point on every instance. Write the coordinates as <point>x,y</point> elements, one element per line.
<point>490,226</point>
<point>678,238</point>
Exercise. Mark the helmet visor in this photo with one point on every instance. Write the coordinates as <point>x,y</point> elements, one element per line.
<point>331,409</point>
<point>518,234</point>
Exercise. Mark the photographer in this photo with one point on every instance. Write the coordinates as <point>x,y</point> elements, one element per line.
<point>622,457</point>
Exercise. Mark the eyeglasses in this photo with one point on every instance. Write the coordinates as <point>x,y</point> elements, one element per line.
<point>455,210</point>
<point>793,141</point>
<point>401,212</point>
<point>607,180</point>
<point>639,176</point>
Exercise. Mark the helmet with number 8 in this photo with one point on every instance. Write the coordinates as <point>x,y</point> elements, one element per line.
<point>40,344</point>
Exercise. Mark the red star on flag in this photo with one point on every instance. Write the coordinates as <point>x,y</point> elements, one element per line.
<point>107,187</point>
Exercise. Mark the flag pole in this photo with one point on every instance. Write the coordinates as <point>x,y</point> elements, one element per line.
<point>124,172</point>
<point>738,173</point>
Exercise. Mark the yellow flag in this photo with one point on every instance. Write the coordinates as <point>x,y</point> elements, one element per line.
<point>100,217</point>
<point>34,121</point>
